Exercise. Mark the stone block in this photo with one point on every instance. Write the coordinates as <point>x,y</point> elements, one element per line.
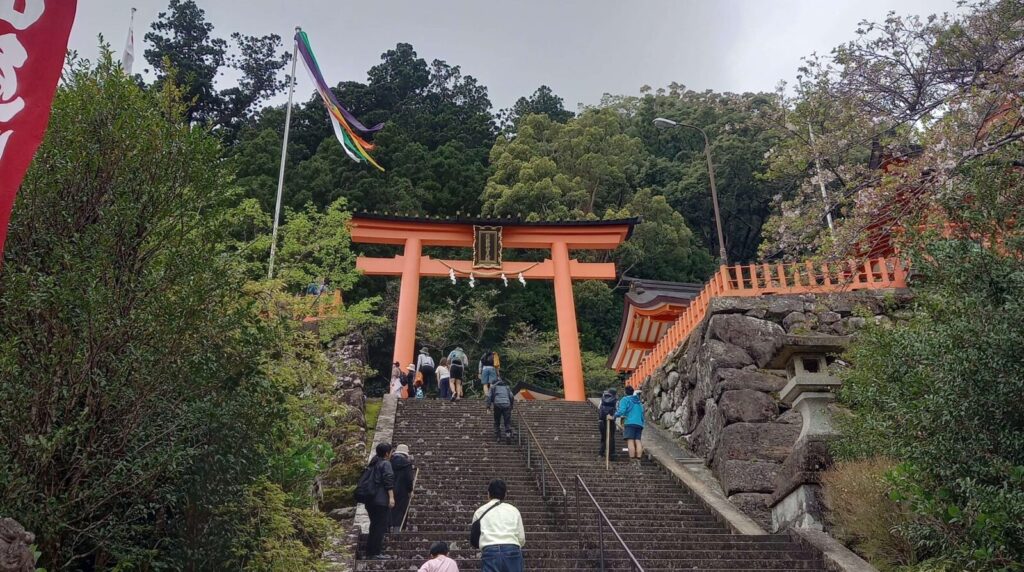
<point>704,439</point>
<point>719,354</point>
<point>733,305</point>
<point>754,505</point>
<point>759,313</point>
<point>810,458</point>
<point>783,306</point>
<point>747,405</point>
<point>756,442</point>
<point>829,317</point>
<point>735,379</point>
<point>802,508</point>
<point>747,476</point>
<point>758,338</point>
<point>793,320</point>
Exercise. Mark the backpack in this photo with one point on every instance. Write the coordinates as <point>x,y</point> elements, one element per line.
<point>419,393</point>
<point>366,488</point>
<point>474,530</point>
<point>488,359</point>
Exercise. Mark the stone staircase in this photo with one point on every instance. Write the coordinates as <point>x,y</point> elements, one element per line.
<point>664,526</point>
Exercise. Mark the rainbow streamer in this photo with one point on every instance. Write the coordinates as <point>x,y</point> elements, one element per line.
<point>351,133</point>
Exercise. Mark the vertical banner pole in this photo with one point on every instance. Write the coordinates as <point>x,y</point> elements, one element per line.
<point>284,153</point>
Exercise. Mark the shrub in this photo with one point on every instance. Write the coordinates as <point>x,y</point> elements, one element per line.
<point>146,409</point>
<point>864,515</point>
<point>941,394</point>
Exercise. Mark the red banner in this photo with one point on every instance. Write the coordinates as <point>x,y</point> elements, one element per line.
<point>33,41</point>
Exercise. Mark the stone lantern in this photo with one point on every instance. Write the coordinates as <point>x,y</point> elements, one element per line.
<point>797,499</point>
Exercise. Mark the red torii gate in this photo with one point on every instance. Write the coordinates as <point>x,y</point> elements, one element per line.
<point>487,237</point>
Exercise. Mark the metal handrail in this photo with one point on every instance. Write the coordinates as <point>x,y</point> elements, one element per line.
<point>546,464</point>
<point>601,522</point>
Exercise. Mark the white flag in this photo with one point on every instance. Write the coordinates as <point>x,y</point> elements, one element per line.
<point>128,57</point>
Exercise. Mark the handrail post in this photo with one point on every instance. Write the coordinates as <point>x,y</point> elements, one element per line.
<point>579,530</point>
<point>543,481</point>
<point>600,538</point>
<point>608,443</point>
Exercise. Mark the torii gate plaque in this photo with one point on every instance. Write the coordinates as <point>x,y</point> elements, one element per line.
<point>559,237</point>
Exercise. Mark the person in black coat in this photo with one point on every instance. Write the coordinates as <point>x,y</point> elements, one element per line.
<point>604,412</point>
<point>383,500</point>
<point>405,473</point>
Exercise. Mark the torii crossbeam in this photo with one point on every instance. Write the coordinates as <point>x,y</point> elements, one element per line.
<point>487,238</point>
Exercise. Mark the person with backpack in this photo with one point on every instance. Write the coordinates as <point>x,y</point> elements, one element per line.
<point>439,561</point>
<point>444,380</point>
<point>487,370</point>
<point>631,410</point>
<point>606,413</point>
<point>499,533</point>
<point>425,366</point>
<point>501,399</point>
<point>376,490</point>
<point>405,474</point>
<point>457,361</point>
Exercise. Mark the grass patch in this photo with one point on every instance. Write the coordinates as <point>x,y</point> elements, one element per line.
<point>370,414</point>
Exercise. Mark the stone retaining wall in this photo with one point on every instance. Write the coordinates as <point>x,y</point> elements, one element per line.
<point>347,358</point>
<point>713,392</point>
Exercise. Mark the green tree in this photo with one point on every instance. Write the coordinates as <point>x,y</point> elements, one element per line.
<point>741,135</point>
<point>898,113</point>
<point>543,101</point>
<point>438,133</point>
<point>144,399</point>
<point>554,170</point>
<point>184,45</point>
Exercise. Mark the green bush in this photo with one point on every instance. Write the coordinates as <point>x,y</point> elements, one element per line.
<point>153,416</point>
<point>942,395</point>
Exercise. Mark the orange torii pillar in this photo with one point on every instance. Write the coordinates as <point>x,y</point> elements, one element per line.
<point>568,334</point>
<point>408,304</point>
<point>415,233</point>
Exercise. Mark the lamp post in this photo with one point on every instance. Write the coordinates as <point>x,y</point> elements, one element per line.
<point>663,123</point>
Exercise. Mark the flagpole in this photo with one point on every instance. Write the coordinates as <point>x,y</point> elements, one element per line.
<point>284,152</point>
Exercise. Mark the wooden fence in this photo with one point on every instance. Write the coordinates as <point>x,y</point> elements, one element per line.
<point>772,279</point>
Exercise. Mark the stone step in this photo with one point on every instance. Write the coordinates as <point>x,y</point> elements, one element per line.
<point>665,526</point>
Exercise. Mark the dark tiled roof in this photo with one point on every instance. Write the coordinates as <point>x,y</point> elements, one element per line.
<point>648,292</point>
<point>478,219</point>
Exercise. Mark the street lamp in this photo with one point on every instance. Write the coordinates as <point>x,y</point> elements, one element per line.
<point>663,123</point>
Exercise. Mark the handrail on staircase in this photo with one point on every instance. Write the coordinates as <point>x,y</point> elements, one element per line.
<point>602,521</point>
<point>545,467</point>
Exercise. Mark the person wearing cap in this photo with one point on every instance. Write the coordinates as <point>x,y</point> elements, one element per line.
<point>425,364</point>
<point>457,363</point>
<point>405,474</point>
<point>605,413</point>
<point>439,561</point>
<point>383,501</point>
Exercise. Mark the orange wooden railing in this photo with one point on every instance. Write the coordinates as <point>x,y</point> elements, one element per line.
<point>765,279</point>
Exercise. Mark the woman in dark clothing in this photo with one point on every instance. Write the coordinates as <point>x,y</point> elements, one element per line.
<point>405,473</point>
<point>383,500</point>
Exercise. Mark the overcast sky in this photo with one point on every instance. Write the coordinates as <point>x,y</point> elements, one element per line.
<point>581,48</point>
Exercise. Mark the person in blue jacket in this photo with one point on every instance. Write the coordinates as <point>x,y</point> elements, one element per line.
<point>632,413</point>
